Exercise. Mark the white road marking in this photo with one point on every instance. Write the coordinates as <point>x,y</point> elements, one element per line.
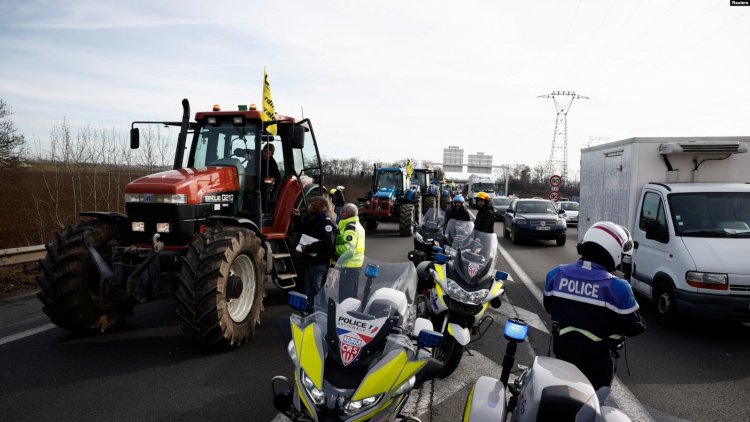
<point>621,394</point>
<point>27,333</point>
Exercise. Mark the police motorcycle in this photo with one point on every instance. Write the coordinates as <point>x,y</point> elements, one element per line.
<point>427,236</point>
<point>550,390</point>
<point>456,289</point>
<point>356,358</point>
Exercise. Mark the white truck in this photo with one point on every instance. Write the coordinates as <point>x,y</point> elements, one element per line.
<point>479,183</point>
<point>686,202</point>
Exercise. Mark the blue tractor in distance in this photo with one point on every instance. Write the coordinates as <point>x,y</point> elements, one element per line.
<point>391,199</point>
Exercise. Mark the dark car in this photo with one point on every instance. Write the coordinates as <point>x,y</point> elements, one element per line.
<point>499,205</point>
<point>534,219</point>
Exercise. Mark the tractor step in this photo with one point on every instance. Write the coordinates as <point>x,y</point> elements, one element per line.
<point>281,255</point>
<point>286,281</point>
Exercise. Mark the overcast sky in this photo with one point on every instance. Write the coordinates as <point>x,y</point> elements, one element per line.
<point>385,79</point>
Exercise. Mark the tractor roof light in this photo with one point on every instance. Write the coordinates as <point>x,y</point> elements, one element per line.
<point>217,107</point>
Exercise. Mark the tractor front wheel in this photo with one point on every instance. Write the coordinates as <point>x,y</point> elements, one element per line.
<point>69,281</point>
<point>221,291</point>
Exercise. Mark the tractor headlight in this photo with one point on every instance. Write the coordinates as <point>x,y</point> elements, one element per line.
<point>317,396</point>
<point>353,407</point>
<point>177,198</point>
<point>138,226</point>
<point>456,292</point>
<point>162,227</point>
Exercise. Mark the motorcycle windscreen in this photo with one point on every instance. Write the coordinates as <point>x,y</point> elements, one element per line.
<point>475,256</point>
<point>456,231</point>
<point>359,305</point>
<point>432,223</point>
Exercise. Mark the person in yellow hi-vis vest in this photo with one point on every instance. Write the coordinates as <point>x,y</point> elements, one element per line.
<point>350,240</point>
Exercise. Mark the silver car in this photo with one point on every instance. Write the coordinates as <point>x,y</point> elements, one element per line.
<point>571,212</point>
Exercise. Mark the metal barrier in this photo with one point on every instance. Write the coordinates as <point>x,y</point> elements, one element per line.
<point>23,255</point>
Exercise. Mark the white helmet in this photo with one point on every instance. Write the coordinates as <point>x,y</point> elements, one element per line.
<point>614,238</point>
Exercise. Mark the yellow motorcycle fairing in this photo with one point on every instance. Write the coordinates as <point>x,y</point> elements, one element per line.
<point>309,350</point>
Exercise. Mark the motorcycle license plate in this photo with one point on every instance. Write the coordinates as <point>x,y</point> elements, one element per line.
<point>544,228</point>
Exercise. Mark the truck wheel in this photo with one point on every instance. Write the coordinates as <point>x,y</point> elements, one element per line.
<point>406,216</point>
<point>666,307</point>
<point>221,291</point>
<point>514,235</point>
<point>371,225</point>
<point>449,353</point>
<point>429,202</point>
<point>69,281</point>
<point>561,241</point>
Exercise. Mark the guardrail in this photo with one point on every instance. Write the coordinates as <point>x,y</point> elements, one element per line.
<point>23,255</point>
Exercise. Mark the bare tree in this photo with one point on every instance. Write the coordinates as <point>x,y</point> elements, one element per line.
<point>12,143</point>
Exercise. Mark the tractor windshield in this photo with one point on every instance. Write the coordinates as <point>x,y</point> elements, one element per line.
<point>390,179</point>
<point>419,178</point>
<point>226,144</point>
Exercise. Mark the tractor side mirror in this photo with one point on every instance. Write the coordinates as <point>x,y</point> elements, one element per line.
<point>135,138</point>
<point>294,135</point>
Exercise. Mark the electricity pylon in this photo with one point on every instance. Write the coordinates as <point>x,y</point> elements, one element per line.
<point>558,155</point>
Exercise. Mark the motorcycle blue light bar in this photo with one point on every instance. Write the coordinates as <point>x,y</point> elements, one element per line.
<point>438,249</point>
<point>440,258</point>
<point>516,330</point>
<point>372,271</point>
<point>501,275</point>
<point>297,301</point>
<point>429,338</point>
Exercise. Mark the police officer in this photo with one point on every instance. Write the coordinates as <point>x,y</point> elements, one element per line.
<point>457,211</point>
<point>592,310</point>
<point>316,224</point>
<point>350,250</point>
<point>485,221</point>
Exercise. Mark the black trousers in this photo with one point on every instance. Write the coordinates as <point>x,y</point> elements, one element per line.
<point>349,283</point>
<point>599,368</point>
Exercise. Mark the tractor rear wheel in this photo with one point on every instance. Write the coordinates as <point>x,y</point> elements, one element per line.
<point>405,217</point>
<point>221,291</point>
<point>69,281</point>
<point>429,202</point>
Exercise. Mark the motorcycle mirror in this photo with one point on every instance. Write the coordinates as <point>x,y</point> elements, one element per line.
<point>515,330</point>
<point>440,258</point>
<point>501,275</point>
<point>429,339</point>
<point>298,301</point>
<point>372,271</point>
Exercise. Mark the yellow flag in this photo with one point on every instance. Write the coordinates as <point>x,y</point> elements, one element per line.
<point>409,169</point>
<point>269,113</point>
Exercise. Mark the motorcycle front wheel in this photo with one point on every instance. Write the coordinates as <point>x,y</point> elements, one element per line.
<point>449,353</point>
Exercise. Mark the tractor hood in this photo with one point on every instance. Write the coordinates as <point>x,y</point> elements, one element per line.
<point>386,193</point>
<point>192,182</point>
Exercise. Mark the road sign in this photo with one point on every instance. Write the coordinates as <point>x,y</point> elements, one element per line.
<point>554,196</point>
<point>555,180</point>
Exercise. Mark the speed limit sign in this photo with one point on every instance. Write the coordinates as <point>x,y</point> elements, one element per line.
<point>554,196</point>
<point>555,180</point>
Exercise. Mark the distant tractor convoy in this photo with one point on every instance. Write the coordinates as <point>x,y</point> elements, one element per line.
<point>208,232</point>
<point>391,199</point>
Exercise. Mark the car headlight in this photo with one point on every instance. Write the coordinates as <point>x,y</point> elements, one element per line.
<point>522,222</point>
<point>561,223</point>
<point>317,396</point>
<point>715,281</point>
<point>456,292</point>
<point>352,407</point>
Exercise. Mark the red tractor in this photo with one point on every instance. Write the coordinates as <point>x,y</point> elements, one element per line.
<point>209,232</point>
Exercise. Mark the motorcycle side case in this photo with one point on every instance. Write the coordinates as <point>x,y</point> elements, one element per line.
<point>567,388</point>
<point>486,401</point>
